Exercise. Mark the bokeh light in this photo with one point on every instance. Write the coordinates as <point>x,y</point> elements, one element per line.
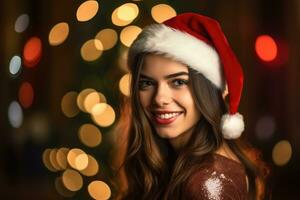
<point>99,190</point>
<point>128,12</point>
<point>90,135</point>
<point>87,10</point>
<point>81,97</point>
<point>92,168</point>
<point>32,52</point>
<point>46,160</point>
<point>266,48</point>
<point>61,157</point>
<point>15,114</point>
<point>22,23</point>
<point>38,126</point>
<point>105,118</point>
<point>15,65</point>
<point>162,12</point>
<point>26,94</point>
<point>53,159</point>
<point>108,38</point>
<point>91,50</point>
<point>282,153</point>
<point>124,14</point>
<point>81,161</point>
<point>69,104</point>
<point>129,34</point>
<point>102,97</point>
<point>265,127</point>
<point>77,159</point>
<point>72,180</point>
<point>90,100</point>
<point>61,189</point>
<point>98,108</point>
<point>58,34</point>
<point>124,84</point>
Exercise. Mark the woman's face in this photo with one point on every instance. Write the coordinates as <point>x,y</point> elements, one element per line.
<point>166,98</point>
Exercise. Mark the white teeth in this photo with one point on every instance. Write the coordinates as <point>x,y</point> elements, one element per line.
<point>167,116</point>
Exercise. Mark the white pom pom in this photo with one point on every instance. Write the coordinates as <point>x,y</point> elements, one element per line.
<point>232,126</point>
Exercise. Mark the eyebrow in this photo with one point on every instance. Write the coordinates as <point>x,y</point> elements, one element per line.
<point>167,76</point>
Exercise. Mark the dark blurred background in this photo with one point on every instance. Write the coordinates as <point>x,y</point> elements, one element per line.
<point>63,72</point>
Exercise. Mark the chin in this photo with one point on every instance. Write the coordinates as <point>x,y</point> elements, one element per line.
<point>166,134</point>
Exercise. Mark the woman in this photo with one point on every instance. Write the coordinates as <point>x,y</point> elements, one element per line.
<point>177,140</point>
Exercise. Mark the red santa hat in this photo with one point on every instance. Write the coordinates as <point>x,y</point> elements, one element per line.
<point>199,42</point>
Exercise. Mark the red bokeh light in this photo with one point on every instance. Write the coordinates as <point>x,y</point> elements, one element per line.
<point>32,52</point>
<point>26,95</point>
<point>266,48</point>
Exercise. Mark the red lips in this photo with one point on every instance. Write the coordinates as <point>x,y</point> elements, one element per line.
<point>165,121</point>
<point>164,111</point>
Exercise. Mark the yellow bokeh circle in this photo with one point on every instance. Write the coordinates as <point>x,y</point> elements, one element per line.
<point>87,10</point>
<point>58,34</point>
<point>162,12</point>
<point>72,180</point>
<point>129,34</point>
<point>99,190</point>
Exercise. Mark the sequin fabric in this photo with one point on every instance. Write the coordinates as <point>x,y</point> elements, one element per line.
<point>218,178</point>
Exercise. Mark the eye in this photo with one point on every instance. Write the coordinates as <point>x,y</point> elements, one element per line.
<point>179,82</point>
<point>143,84</point>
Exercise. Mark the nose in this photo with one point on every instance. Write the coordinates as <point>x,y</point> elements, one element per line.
<point>162,95</point>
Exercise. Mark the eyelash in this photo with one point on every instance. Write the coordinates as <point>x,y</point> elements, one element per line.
<point>142,82</point>
<point>180,81</point>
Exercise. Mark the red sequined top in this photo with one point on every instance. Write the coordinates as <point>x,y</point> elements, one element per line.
<point>219,178</point>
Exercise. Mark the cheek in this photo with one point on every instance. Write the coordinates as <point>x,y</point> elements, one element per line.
<point>185,99</point>
<point>145,98</point>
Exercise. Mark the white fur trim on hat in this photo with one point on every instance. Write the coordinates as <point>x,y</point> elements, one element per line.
<point>182,47</point>
<point>232,126</point>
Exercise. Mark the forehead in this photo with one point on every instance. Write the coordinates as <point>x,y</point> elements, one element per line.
<point>159,66</point>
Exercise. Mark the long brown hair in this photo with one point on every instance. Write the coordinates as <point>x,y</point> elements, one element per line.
<point>148,168</point>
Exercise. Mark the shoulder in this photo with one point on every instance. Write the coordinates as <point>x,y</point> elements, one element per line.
<point>217,178</point>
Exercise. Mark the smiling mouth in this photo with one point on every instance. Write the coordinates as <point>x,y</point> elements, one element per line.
<point>166,118</point>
